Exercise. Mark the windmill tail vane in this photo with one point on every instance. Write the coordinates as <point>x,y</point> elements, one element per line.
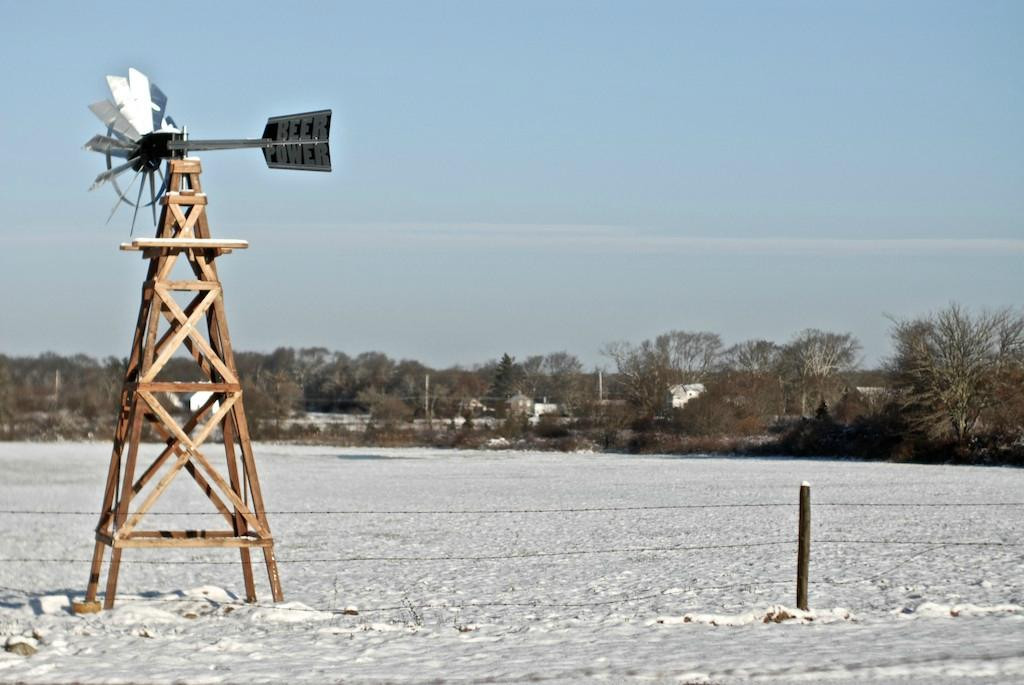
<point>140,136</point>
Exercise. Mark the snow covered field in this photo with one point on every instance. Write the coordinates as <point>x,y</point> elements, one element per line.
<point>634,610</point>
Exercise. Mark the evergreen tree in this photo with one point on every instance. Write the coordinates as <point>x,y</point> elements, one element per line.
<point>507,378</point>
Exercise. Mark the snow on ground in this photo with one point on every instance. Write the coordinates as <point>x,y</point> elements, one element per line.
<point>705,613</point>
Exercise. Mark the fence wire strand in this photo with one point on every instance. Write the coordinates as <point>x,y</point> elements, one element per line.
<point>528,555</point>
<point>482,557</point>
<point>555,510</point>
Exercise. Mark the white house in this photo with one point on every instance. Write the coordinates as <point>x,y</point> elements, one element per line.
<point>874,395</point>
<point>682,393</point>
<point>542,408</point>
<point>545,407</point>
<point>873,392</point>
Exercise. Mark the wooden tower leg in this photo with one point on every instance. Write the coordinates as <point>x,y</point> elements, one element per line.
<point>221,343</point>
<point>272,576</point>
<point>109,498</point>
<point>125,420</point>
<point>107,510</point>
<point>142,358</point>
<point>134,437</point>
<point>240,526</point>
<point>257,500</point>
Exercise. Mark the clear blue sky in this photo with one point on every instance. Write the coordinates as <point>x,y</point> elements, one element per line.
<point>528,177</point>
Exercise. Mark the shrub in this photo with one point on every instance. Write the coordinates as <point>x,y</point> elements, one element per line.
<point>550,427</point>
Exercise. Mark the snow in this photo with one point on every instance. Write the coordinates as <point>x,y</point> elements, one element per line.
<point>774,614</point>
<point>51,604</point>
<point>705,613</point>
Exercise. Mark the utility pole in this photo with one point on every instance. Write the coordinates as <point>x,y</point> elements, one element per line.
<point>426,402</point>
<point>600,386</point>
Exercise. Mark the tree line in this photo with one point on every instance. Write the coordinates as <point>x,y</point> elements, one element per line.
<point>950,389</point>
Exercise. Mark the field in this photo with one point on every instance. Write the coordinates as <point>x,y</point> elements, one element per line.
<point>589,567</point>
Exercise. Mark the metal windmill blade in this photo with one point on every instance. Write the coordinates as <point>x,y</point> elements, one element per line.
<point>159,101</point>
<point>107,145</point>
<point>116,122</point>
<point>140,132</point>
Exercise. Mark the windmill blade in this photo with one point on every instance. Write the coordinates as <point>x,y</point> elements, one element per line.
<point>156,190</point>
<point>131,95</point>
<point>109,146</point>
<point>152,194</point>
<point>119,90</point>
<point>113,119</point>
<point>121,198</point>
<point>159,100</point>
<point>139,107</point>
<point>138,201</point>
<point>165,183</point>
<point>111,173</point>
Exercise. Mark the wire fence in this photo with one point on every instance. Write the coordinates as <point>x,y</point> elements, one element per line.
<point>528,555</point>
<point>556,510</point>
<point>930,546</point>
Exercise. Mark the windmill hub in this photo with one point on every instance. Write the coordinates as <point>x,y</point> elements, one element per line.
<point>152,149</point>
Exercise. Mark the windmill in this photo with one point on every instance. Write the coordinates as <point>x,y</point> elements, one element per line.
<point>182,314</point>
<point>140,136</point>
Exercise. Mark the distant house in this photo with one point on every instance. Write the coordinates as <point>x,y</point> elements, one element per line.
<point>472,406</point>
<point>874,395</point>
<point>679,395</point>
<point>520,404</point>
<point>545,407</point>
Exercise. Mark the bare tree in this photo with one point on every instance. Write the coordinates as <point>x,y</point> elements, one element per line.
<point>691,356</point>
<point>284,396</point>
<point>646,371</point>
<point>532,378</point>
<point>951,366</point>
<point>814,359</point>
<point>760,357</point>
<point>565,380</point>
<point>758,366</point>
<point>642,374</point>
<point>384,407</point>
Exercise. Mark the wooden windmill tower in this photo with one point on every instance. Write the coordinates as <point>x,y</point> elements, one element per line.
<point>140,133</point>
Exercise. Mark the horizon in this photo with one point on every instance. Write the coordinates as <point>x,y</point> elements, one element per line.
<point>605,363</point>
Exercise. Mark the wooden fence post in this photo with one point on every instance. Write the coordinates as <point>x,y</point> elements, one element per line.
<point>803,554</point>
